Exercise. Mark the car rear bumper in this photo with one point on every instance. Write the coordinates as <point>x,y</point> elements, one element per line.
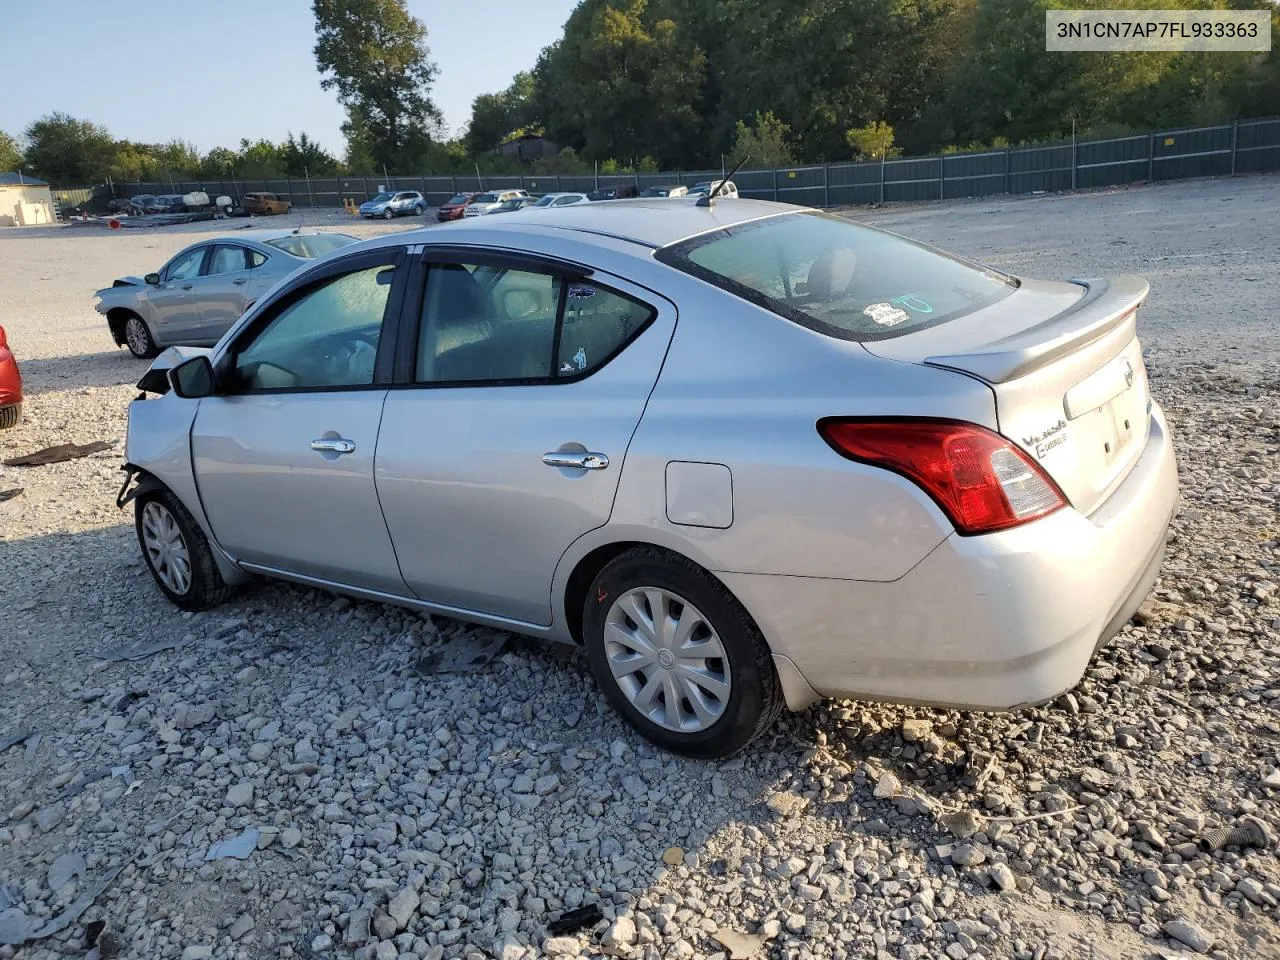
<point>991,622</point>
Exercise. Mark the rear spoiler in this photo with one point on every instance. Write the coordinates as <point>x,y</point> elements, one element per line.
<point>1106,305</point>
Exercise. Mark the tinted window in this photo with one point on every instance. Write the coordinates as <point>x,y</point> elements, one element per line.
<point>597,324</point>
<point>257,259</point>
<point>226,260</point>
<point>310,246</point>
<point>838,277</point>
<point>186,266</point>
<point>328,337</point>
<point>486,323</point>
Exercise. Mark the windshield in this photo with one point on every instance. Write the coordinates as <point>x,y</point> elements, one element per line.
<point>310,246</point>
<point>459,198</point>
<point>838,277</point>
<point>546,201</point>
<point>380,198</point>
<point>487,198</point>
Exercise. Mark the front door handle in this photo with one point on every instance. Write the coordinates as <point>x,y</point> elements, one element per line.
<point>241,282</point>
<point>333,445</point>
<point>187,286</point>
<point>580,461</point>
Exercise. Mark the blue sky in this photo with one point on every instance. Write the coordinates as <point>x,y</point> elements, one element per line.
<point>219,70</point>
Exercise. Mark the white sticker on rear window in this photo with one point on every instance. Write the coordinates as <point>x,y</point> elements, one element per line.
<point>886,314</point>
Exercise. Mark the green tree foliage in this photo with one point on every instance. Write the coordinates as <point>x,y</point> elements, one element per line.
<point>304,157</point>
<point>375,55</point>
<point>496,116</point>
<point>62,149</point>
<point>10,155</point>
<point>872,142</point>
<point>764,143</point>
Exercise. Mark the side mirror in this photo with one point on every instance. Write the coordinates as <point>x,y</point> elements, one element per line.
<point>152,278</point>
<point>193,378</point>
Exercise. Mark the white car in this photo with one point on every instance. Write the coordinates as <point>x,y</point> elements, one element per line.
<point>560,200</point>
<point>490,202</point>
<point>730,190</point>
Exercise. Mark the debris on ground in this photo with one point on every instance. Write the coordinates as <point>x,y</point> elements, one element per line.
<point>10,740</point>
<point>463,654</point>
<point>741,946</point>
<point>238,847</point>
<point>10,494</point>
<point>1251,832</point>
<point>573,920</point>
<point>139,652</point>
<point>15,925</point>
<point>59,453</point>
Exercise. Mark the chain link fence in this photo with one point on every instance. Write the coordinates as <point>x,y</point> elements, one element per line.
<point>1244,146</point>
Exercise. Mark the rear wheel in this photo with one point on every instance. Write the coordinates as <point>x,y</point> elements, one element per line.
<point>138,338</point>
<point>678,656</point>
<point>177,553</point>
<point>419,210</point>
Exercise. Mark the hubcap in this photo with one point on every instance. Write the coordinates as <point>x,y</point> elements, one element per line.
<point>136,334</point>
<point>165,547</point>
<point>667,659</point>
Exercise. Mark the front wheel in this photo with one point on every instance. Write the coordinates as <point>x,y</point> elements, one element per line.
<point>387,214</point>
<point>678,656</point>
<point>419,210</point>
<point>138,338</point>
<point>177,553</point>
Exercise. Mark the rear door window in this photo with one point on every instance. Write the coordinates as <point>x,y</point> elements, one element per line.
<point>838,277</point>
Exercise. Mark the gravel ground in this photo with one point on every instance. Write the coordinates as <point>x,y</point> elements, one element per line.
<point>452,816</point>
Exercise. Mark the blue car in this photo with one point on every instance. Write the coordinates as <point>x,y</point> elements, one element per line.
<point>388,205</point>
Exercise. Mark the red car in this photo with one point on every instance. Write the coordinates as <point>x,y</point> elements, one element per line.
<point>10,386</point>
<point>454,209</point>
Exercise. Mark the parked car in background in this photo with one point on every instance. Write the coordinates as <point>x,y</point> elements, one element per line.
<point>515,203</point>
<point>138,204</point>
<point>203,290</point>
<point>490,201</point>
<point>10,385</point>
<point>746,456</point>
<point>265,204</point>
<point>548,200</point>
<point>457,204</point>
<point>674,190</point>
<point>625,192</point>
<point>395,204</point>
<point>706,186</point>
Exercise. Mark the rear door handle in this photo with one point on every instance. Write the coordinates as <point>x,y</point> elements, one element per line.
<point>333,445</point>
<point>580,461</point>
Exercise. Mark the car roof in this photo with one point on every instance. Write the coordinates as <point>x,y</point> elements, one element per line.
<point>263,235</point>
<point>648,222</point>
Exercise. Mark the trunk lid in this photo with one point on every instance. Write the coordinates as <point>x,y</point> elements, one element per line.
<point>1066,368</point>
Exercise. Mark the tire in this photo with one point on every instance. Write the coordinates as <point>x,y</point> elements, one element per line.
<point>202,586</point>
<point>724,725</point>
<point>137,337</point>
<point>387,214</point>
<point>10,416</point>
<point>419,210</point>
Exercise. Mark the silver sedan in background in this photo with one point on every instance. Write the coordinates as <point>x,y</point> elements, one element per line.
<point>747,454</point>
<point>203,290</point>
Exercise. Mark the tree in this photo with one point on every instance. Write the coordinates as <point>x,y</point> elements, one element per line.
<point>259,160</point>
<point>62,149</point>
<point>764,142</point>
<point>304,157</point>
<point>872,142</point>
<point>10,155</point>
<point>375,55</point>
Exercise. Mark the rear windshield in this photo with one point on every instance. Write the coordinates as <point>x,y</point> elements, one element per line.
<point>838,277</point>
<point>310,246</point>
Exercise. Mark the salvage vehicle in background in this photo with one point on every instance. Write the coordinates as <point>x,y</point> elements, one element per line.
<point>548,200</point>
<point>746,453</point>
<point>706,186</point>
<point>204,289</point>
<point>490,201</point>
<point>456,207</point>
<point>514,204</point>
<point>394,204</point>
<point>265,204</point>
<point>672,190</point>
<point>10,385</point>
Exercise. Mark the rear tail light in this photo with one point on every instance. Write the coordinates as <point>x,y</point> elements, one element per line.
<point>979,479</point>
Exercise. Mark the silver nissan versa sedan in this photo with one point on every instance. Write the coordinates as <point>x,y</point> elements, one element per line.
<point>748,454</point>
